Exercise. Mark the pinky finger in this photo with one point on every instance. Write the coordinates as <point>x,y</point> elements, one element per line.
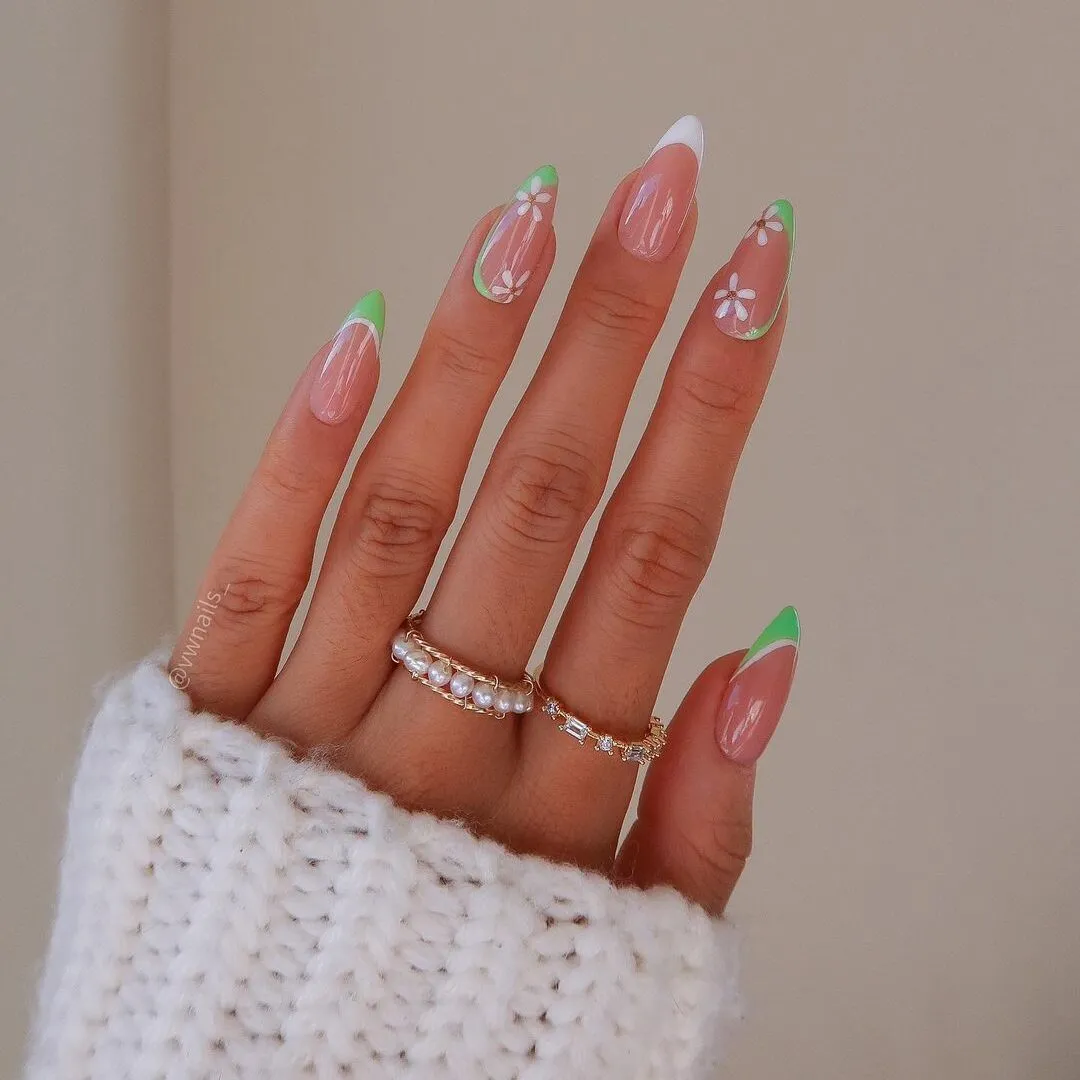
<point>229,650</point>
<point>694,824</point>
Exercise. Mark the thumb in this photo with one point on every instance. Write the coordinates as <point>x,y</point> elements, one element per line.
<point>693,830</point>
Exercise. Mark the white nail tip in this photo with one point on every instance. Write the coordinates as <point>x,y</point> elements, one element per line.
<point>689,132</point>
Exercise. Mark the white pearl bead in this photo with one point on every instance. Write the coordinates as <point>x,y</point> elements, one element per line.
<point>400,648</point>
<point>522,701</point>
<point>417,661</point>
<point>504,700</point>
<point>483,695</point>
<point>461,684</point>
<point>439,673</point>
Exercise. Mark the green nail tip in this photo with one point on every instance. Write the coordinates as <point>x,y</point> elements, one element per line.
<point>785,627</point>
<point>786,213</point>
<point>548,177</point>
<point>372,307</point>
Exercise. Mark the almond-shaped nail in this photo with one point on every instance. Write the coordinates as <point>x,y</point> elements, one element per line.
<point>663,191</point>
<point>513,247</point>
<point>758,691</point>
<point>754,281</point>
<point>351,365</point>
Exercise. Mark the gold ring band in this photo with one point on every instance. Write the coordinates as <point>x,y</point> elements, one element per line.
<point>455,681</point>
<point>640,752</point>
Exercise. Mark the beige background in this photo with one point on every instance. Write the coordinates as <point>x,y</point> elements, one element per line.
<point>250,168</point>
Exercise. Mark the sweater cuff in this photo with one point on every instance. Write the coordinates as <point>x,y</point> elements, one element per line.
<point>226,910</point>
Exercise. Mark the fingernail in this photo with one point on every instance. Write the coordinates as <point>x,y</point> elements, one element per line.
<point>354,352</point>
<point>660,200</point>
<point>758,690</point>
<point>755,278</point>
<point>512,248</point>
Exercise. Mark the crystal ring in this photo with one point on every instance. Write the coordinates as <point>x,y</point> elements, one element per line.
<point>455,681</point>
<point>637,753</point>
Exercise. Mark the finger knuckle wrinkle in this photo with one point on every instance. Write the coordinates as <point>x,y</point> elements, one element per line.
<point>548,493</point>
<point>463,359</point>
<point>402,522</point>
<point>284,479</point>
<point>250,589</point>
<point>660,562</point>
<point>717,396</point>
<point>717,856</point>
<point>615,314</point>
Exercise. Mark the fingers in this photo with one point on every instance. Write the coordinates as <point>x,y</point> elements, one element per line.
<point>657,536</point>
<point>404,490</point>
<point>693,830</point>
<point>550,466</point>
<point>229,649</point>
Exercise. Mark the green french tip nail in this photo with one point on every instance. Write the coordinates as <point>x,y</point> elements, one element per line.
<point>370,308</point>
<point>515,242</point>
<point>783,630</point>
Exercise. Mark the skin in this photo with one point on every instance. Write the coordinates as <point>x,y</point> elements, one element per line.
<point>519,780</point>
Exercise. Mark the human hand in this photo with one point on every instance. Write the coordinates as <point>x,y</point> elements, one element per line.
<point>521,779</point>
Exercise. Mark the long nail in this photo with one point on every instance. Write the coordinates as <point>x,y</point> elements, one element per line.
<point>758,691</point>
<point>353,355</point>
<point>513,247</point>
<point>660,200</point>
<point>753,282</point>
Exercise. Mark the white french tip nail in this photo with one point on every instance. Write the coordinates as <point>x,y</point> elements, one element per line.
<point>689,132</point>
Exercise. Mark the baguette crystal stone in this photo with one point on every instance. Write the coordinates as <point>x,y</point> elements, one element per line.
<point>575,728</point>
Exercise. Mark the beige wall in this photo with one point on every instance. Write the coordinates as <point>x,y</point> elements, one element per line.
<point>911,485</point>
<point>85,545</point>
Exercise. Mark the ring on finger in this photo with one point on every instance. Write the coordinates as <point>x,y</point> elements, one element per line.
<point>453,680</point>
<point>639,752</point>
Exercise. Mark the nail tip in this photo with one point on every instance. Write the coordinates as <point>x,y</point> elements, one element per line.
<point>372,307</point>
<point>687,130</point>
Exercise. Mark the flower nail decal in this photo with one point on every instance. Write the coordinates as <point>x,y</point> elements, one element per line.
<point>757,275</point>
<point>768,222</point>
<point>513,247</point>
<point>506,289</point>
<point>532,199</point>
<point>733,297</point>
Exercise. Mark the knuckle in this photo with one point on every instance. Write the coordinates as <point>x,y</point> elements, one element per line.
<point>716,397</point>
<point>715,857</point>
<point>283,477</point>
<point>659,562</point>
<point>548,492</point>
<point>462,359</point>
<point>613,315</point>
<point>250,589</point>
<point>400,524</point>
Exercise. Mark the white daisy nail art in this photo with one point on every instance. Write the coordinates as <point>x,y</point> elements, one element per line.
<point>731,299</point>
<point>767,223</point>
<point>531,200</point>
<point>506,288</point>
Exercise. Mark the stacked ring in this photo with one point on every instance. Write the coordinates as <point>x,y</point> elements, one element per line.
<point>637,753</point>
<point>455,681</point>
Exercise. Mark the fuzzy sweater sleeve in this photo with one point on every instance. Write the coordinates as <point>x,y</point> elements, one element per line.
<point>228,912</point>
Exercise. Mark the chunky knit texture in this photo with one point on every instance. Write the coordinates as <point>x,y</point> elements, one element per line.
<point>226,911</point>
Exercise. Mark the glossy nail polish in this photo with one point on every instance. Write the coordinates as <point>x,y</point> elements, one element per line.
<point>758,690</point>
<point>663,191</point>
<point>753,282</point>
<point>352,360</point>
<point>513,247</point>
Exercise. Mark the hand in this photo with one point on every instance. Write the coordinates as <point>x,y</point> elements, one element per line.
<point>520,779</point>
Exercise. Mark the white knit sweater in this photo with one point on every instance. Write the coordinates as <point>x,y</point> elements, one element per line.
<point>226,911</point>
